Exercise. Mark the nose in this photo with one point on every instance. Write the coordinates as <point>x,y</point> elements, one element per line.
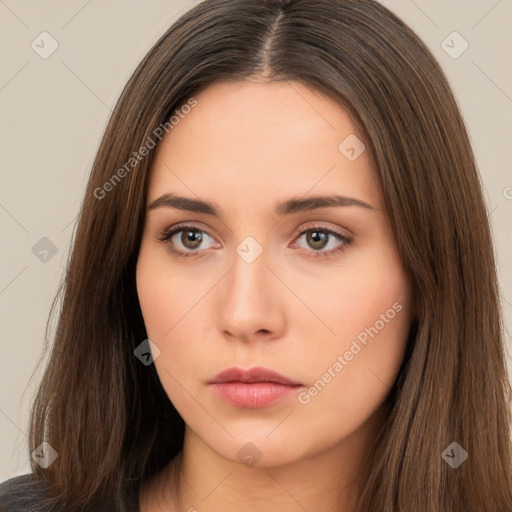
<point>251,302</point>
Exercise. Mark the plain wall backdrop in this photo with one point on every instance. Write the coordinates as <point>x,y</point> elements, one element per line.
<point>64,64</point>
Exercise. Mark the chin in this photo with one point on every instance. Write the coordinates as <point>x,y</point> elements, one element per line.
<point>255,447</point>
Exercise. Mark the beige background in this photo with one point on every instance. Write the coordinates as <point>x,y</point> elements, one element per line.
<point>53,112</point>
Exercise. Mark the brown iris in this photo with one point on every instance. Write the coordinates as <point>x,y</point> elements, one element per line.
<point>191,239</point>
<point>316,239</point>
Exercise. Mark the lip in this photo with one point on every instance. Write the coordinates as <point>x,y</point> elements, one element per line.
<point>253,387</point>
<point>251,375</point>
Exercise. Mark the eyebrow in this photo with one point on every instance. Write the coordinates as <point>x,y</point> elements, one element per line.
<point>293,205</point>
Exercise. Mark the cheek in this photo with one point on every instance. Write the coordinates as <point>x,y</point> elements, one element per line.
<point>175,312</point>
<point>352,371</point>
<point>166,298</point>
<point>368,290</point>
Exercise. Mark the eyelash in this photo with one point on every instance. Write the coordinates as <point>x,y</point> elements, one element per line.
<point>166,235</point>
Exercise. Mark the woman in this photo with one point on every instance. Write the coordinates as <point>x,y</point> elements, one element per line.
<point>282,292</point>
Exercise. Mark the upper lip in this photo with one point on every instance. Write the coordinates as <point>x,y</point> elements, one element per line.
<point>251,375</point>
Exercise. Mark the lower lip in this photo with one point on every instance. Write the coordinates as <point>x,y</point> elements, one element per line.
<point>255,394</point>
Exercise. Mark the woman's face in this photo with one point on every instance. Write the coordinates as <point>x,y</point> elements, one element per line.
<point>237,285</point>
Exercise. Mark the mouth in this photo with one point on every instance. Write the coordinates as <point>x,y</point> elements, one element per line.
<point>253,387</point>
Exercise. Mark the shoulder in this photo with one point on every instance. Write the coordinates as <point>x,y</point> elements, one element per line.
<point>22,493</point>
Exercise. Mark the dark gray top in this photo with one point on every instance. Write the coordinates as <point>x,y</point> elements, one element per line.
<point>25,494</point>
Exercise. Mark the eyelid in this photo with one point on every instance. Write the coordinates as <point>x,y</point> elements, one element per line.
<point>185,225</point>
<point>321,226</point>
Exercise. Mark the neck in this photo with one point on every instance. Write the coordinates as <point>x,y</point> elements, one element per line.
<point>201,480</point>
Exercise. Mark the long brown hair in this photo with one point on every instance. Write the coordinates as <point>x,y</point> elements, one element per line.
<point>107,415</point>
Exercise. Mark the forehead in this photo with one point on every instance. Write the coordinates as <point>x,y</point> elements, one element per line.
<point>252,140</point>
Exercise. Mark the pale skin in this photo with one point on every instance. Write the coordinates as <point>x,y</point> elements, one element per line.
<point>245,147</point>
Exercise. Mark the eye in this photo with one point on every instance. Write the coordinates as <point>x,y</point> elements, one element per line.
<point>186,241</point>
<point>319,238</point>
<point>189,240</point>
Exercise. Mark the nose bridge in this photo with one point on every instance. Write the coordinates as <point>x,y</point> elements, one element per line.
<point>248,302</point>
<point>248,278</point>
